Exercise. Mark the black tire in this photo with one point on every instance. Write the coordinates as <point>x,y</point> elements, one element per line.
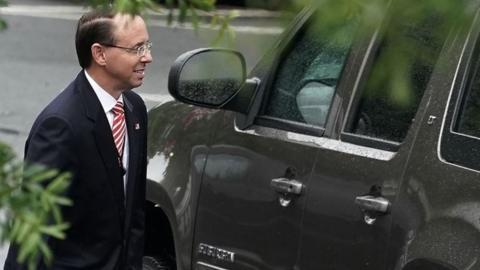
<point>157,263</point>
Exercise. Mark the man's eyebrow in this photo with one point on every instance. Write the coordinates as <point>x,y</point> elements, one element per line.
<point>140,43</point>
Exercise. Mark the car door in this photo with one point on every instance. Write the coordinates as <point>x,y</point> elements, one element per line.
<point>360,166</point>
<point>253,188</point>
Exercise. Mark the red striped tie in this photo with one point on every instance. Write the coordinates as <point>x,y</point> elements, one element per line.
<point>118,127</point>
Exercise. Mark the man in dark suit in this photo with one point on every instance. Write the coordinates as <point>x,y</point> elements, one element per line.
<point>96,129</point>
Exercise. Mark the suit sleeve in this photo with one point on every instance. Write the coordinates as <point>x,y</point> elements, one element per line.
<point>51,144</point>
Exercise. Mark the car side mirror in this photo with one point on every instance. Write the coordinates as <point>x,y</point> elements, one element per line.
<point>212,78</point>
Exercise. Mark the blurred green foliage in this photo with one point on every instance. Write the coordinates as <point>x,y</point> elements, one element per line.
<point>31,197</point>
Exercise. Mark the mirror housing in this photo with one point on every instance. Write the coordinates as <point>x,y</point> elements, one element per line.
<point>212,78</point>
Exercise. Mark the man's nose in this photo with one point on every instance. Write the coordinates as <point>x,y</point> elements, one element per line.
<point>147,58</point>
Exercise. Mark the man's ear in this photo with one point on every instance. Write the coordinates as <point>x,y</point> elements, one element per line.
<point>98,54</point>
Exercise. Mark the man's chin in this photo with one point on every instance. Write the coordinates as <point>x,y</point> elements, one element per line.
<point>136,84</point>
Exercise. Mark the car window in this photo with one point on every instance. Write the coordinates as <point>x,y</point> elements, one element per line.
<point>469,114</point>
<point>386,114</point>
<point>461,138</point>
<point>306,78</point>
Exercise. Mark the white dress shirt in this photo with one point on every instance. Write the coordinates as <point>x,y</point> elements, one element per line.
<point>108,102</point>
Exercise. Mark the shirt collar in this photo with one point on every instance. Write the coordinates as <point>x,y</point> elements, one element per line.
<point>107,101</point>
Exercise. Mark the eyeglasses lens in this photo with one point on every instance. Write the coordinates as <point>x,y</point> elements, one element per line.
<point>142,50</point>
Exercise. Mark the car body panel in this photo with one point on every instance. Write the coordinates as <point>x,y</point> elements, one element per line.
<point>177,157</point>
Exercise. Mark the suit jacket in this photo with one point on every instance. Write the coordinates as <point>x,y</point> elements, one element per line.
<point>106,225</point>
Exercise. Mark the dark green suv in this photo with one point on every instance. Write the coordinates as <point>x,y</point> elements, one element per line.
<point>313,162</point>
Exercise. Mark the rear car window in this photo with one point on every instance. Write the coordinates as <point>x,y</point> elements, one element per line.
<point>468,122</point>
<point>461,136</point>
<point>384,112</point>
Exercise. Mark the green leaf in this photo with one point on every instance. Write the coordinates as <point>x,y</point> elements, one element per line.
<point>32,170</point>
<point>56,231</point>
<point>205,5</point>
<point>195,20</point>
<point>64,201</point>
<point>183,9</point>
<point>57,215</point>
<point>46,252</point>
<point>28,248</point>
<point>214,21</point>
<point>15,230</point>
<point>6,152</point>
<point>58,185</point>
<point>23,232</point>
<point>43,175</point>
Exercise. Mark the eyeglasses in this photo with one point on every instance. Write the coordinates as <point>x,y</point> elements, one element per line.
<point>139,50</point>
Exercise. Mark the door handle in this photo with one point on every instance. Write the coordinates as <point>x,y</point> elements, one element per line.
<point>373,204</point>
<point>287,186</point>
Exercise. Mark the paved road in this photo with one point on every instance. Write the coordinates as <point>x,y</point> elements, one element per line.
<point>38,59</point>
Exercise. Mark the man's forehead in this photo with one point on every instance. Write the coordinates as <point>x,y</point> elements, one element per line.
<point>123,21</point>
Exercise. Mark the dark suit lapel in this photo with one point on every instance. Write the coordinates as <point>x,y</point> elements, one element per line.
<point>133,127</point>
<point>107,148</point>
<point>104,140</point>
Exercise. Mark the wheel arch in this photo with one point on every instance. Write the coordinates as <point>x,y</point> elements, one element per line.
<point>444,243</point>
<point>160,223</point>
<point>427,264</point>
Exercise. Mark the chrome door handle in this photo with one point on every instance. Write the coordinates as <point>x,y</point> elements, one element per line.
<point>373,204</point>
<point>287,186</point>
